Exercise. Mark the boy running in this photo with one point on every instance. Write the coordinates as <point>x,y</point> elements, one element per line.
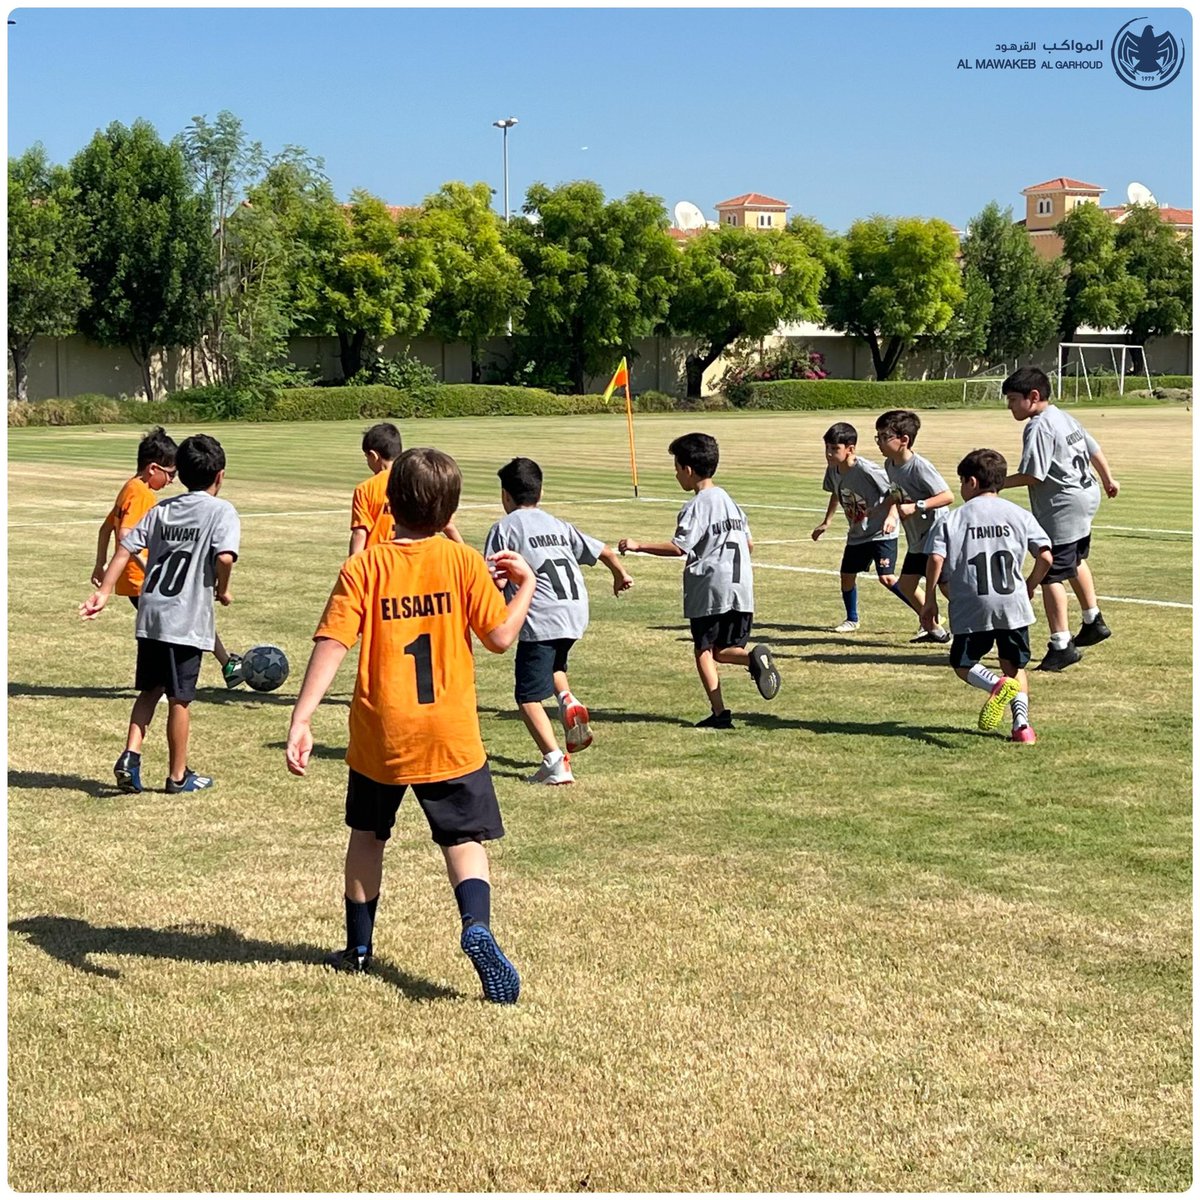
<point>414,601</point>
<point>718,580</point>
<point>977,552</point>
<point>1057,458</point>
<point>558,613</point>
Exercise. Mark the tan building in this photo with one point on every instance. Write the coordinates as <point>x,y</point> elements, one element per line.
<point>1047,203</point>
<point>753,211</point>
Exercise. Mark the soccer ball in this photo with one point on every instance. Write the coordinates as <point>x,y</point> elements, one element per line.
<point>264,667</point>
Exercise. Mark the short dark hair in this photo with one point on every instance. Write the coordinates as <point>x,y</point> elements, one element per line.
<point>200,458</point>
<point>1025,381</point>
<point>384,439</point>
<point>698,451</point>
<point>988,468</point>
<point>158,446</point>
<point>423,489</point>
<point>841,434</point>
<point>522,480</point>
<point>900,422</point>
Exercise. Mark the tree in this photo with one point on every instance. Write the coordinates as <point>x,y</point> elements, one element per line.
<point>966,334</point>
<point>45,288</point>
<point>1026,291</point>
<point>148,248</point>
<point>735,283</point>
<point>600,275</point>
<point>482,286</point>
<point>890,281</point>
<point>1161,261</point>
<point>1098,288</point>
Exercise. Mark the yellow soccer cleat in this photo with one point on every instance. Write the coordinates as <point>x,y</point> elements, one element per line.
<point>992,712</point>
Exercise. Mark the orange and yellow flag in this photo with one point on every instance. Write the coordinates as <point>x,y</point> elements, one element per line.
<point>620,379</point>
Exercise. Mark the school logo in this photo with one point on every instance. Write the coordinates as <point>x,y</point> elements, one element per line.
<point>1145,59</point>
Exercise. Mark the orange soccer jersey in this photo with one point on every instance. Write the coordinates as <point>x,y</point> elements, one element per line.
<point>414,604</point>
<point>370,510</point>
<point>133,502</point>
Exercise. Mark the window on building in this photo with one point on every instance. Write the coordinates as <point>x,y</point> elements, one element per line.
<point>1045,207</point>
<point>764,221</point>
<point>731,218</point>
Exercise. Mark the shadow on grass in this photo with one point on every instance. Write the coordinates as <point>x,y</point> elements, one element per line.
<point>36,780</point>
<point>206,694</point>
<point>71,941</point>
<point>335,753</point>
<point>602,715</point>
<point>515,768</point>
<point>913,733</point>
<point>941,661</point>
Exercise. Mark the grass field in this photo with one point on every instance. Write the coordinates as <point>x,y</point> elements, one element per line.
<point>851,945</point>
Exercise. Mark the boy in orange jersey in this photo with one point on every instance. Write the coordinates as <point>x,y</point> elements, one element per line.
<point>413,722</point>
<point>155,469</point>
<point>370,514</point>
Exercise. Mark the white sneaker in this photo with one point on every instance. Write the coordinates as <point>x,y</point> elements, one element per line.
<point>846,627</point>
<point>940,635</point>
<point>575,722</point>
<point>559,773</point>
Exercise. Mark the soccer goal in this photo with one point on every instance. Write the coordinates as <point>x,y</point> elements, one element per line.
<point>984,386</point>
<point>1076,365</point>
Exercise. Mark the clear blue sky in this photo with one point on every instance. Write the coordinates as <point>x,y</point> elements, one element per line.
<point>840,112</point>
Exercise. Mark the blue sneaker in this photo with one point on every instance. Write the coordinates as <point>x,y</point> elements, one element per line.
<point>128,772</point>
<point>191,782</point>
<point>501,983</point>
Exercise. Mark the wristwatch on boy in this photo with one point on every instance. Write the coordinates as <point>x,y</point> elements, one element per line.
<point>920,506</point>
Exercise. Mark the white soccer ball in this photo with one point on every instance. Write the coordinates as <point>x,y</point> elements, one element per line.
<point>264,667</point>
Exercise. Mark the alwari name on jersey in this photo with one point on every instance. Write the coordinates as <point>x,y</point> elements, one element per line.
<point>400,608</point>
<point>180,533</point>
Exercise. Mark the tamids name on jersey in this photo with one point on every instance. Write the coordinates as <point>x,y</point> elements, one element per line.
<point>180,533</point>
<point>399,608</point>
<point>726,526</point>
<point>989,531</point>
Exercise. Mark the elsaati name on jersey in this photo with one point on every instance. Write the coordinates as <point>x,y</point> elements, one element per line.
<point>989,531</point>
<point>180,533</point>
<point>539,541</point>
<point>399,608</point>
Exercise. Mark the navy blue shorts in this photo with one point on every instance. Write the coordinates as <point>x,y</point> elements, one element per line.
<point>1067,558</point>
<point>859,556</point>
<point>166,665</point>
<point>914,564</point>
<point>535,667</point>
<point>458,810</point>
<point>1012,645</point>
<point>721,630</point>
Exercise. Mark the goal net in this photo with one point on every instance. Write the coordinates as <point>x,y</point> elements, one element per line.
<point>1083,363</point>
<point>984,386</point>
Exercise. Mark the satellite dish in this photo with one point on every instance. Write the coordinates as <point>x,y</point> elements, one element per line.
<point>688,216</point>
<point>1139,193</point>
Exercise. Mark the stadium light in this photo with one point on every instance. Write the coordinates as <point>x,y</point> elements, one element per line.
<point>506,124</point>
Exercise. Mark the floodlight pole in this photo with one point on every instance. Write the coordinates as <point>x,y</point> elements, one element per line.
<point>506,124</point>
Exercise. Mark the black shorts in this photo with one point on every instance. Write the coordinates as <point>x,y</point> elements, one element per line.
<point>458,810</point>
<point>914,564</point>
<point>1012,645</point>
<point>168,666</point>
<point>1067,558</point>
<point>721,630</point>
<point>536,664</point>
<point>134,600</point>
<point>858,556</point>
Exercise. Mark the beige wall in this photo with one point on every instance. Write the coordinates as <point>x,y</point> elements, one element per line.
<point>748,217</point>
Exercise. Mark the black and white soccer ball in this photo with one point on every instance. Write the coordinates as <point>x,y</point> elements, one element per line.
<point>264,667</point>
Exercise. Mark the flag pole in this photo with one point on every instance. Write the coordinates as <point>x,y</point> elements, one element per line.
<point>629,422</point>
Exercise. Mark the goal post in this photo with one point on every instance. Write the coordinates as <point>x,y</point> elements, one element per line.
<point>1118,353</point>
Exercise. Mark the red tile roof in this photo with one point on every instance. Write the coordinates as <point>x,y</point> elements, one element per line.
<point>1063,184</point>
<point>752,200</point>
<point>1173,216</point>
<point>682,235</point>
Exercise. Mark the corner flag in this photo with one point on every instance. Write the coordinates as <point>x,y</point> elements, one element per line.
<point>620,379</point>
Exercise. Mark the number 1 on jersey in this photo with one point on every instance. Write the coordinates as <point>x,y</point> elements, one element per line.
<point>423,660</point>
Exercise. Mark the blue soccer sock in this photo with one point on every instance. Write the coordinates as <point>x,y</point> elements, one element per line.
<point>850,600</point>
<point>360,923</point>
<point>895,589</point>
<point>474,900</point>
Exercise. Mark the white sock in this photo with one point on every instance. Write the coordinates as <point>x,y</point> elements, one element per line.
<point>1058,641</point>
<point>1020,710</point>
<point>981,677</point>
<point>1090,614</point>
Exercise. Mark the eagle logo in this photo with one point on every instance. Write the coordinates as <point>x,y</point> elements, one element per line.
<point>1146,60</point>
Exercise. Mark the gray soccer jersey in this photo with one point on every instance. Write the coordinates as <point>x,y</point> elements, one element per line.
<point>1058,450</point>
<point>183,535</point>
<point>984,544</point>
<point>553,548</point>
<point>715,535</point>
<point>917,479</point>
<point>859,490</point>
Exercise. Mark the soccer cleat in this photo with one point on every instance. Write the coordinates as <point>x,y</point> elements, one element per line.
<point>992,712</point>
<point>354,960</point>
<point>846,626</point>
<point>721,720</point>
<point>191,782</point>
<point>924,636</point>
<point>1093,632</point>
<point>558,774</point>
<point>764,672</point>
<point>1025,735</point>
<point>501,983</point>
<point>231,672</point>
<point>575,722</point>
<point>128,772</point>
<point>1059,660</point>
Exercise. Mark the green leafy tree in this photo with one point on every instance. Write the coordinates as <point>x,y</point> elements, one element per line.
<point>1099,290</point>
<point>736,283</point>
<point>45,288</point>
<point>148,248</point>
<point>965,337</point>
<point>1026,291</point>
<point>601,275</point>
<point>1159,260</point>
<point>891,281</point>
<point>482,285</point>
